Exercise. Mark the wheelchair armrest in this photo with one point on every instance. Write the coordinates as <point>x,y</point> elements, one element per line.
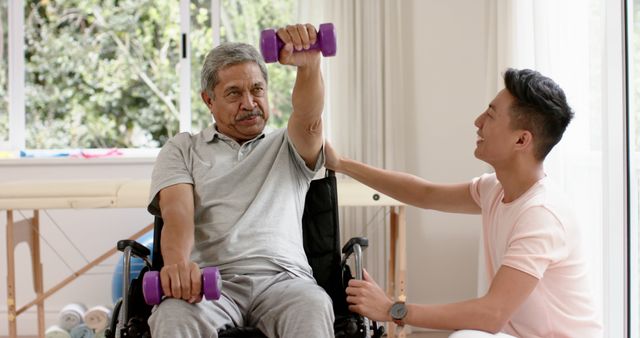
<point>347,249</point>
<point>137,249</point>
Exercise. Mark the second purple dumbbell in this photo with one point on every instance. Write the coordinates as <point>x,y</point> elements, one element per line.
<point>270,43</point>
<point>152,288</point>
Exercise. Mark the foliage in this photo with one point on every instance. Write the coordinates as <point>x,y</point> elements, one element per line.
<point>105,73</point>
<point>100,73</point>
<point>242,21</point>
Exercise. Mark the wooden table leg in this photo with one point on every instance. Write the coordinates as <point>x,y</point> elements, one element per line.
<point>11,277</point>
<point>28,230</point>
<point>391,277</point>
<point>397,263</point>
<point>401,260</point>
<point>396,280</point>
<point>36,265</point>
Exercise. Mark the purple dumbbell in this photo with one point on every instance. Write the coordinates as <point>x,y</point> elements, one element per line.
<point>270,43</point>
<point>152,288</point>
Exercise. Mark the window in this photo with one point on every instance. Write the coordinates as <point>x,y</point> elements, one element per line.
<point>201,38</point>
<point>238,23</point>
<point>4,73</point>
<point>105,74</point>
<point>577,43</point>
<point>100,74</point>
<point>633,36</point>
<point>238,20</point>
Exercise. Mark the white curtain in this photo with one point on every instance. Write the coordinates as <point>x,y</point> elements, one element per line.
<point>362,106</point>
<point>570,41</point>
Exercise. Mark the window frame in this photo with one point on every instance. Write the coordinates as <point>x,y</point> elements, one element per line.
<point>616,176</point>
<point>16,80</point>
<point>633,173</point>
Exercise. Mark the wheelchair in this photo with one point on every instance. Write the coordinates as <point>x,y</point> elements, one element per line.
<point>321,236</point>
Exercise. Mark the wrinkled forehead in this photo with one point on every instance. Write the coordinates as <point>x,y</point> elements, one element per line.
<point>240,74</point>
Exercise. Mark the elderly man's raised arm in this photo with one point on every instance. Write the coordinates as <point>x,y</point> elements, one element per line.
<point>305,123</point>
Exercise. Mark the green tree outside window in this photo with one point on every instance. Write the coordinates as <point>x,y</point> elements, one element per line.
<point>104,73</point>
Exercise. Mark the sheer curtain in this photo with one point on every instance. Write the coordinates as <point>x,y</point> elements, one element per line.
<point>362,109</point>
<point>577,43</point>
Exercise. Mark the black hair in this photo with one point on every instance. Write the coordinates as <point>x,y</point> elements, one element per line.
<point>540,107</point>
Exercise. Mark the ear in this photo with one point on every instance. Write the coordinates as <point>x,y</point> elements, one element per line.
<point>208,101</point>
<point>525,139</point>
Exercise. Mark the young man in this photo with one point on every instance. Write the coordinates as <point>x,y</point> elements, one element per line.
<point>231,197</point>
<point>539,284</point>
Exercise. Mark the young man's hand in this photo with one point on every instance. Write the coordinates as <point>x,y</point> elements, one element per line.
<point>332,158</point>
<point>368,299</point>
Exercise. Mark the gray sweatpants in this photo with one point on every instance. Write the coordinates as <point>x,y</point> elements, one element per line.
<point>279,305</point>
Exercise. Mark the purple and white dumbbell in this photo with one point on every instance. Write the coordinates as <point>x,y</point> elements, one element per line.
<point>270,43</point>
<point>152,288</point>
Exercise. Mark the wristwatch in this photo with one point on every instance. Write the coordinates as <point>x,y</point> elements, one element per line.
<point>398,311</point>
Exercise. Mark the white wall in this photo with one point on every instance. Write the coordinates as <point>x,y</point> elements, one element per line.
<point>446,70</point>
<point>448,76</point>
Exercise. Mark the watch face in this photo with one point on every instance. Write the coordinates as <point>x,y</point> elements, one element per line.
<point>398,311</point>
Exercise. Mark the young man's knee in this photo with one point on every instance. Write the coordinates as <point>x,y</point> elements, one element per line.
<point>477,334</point>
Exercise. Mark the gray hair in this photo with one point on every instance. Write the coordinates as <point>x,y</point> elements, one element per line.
<point>224,55</point>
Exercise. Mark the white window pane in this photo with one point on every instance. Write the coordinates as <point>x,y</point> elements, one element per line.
<point>4,73</point>
<point>101,74</point>
<point>242,21</point>
<point>634,161</point>
<point>201,37</point>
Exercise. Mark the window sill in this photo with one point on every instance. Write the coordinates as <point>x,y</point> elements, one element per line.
<point>76,161</point>
<point>87,157</point>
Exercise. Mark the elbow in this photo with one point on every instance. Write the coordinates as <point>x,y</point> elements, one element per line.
<point>490,316</point>
<point>314,128</point>
<point>496,319</point>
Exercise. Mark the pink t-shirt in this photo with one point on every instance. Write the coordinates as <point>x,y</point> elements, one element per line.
<point>538,234</point>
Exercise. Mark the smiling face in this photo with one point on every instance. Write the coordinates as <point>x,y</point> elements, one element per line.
<point>497,140</point>
<point>239,105</point>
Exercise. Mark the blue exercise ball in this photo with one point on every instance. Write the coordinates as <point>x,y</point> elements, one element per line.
<point>136,266</point>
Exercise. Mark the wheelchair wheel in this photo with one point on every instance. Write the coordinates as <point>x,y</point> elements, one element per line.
<point>115,316</point>
<point>136,327</point>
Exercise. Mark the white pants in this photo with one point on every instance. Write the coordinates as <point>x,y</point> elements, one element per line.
<point>478,334</point>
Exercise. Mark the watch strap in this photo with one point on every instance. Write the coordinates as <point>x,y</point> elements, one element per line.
<point>399,322</point>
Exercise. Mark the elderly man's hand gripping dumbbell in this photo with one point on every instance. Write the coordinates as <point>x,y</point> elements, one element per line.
<point>300,38</point>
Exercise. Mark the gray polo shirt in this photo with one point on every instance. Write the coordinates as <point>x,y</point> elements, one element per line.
<point>248,199</point>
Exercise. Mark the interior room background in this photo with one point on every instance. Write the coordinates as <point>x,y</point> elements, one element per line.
<point>403,91</point>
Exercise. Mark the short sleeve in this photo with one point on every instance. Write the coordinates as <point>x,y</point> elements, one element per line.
<point>171,168</point>
<point>301,166</point>
<point>474,190</point>
<point>538,241</point>
<point>480,187</point>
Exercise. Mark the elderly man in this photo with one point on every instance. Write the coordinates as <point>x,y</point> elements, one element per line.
<point>232,196</point>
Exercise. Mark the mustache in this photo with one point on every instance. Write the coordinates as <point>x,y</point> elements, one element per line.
<point>249,114</point>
